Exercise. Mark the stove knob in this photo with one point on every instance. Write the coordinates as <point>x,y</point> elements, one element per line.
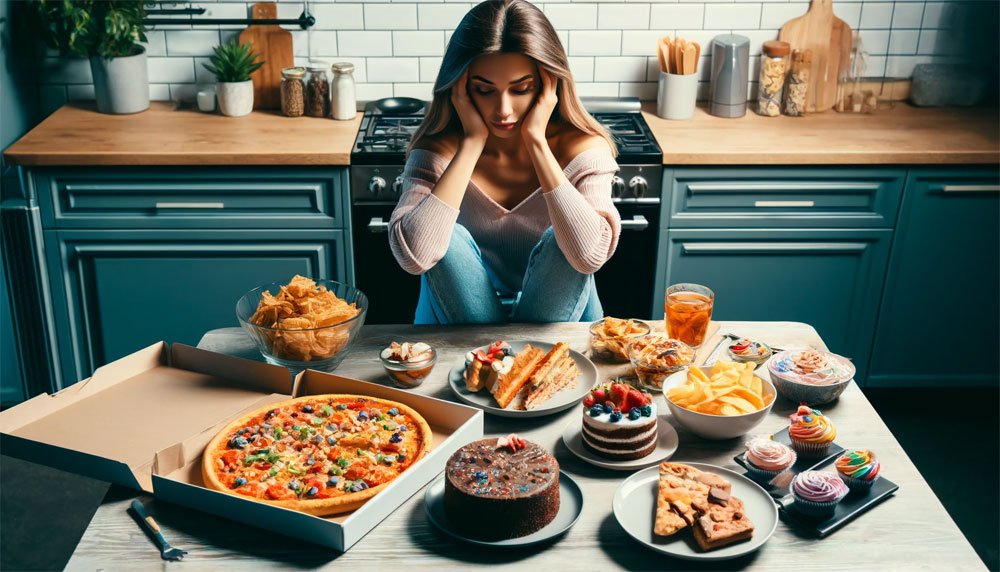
<point>638,186</point>
<point>617,187</point>
<point>376,185</point>
<point>397,186</point>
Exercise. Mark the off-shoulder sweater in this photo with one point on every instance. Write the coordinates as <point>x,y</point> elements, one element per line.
<point>580,211</point>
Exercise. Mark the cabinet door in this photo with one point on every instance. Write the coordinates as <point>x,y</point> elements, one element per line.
<point>118,291</point>
<point>946,242</point>
<point>830,279</point>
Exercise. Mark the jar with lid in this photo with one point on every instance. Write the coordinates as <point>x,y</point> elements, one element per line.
<point>293,88</point>
<point>317,97</point>
<point>773,66</point>
<point>797,87</point>
<point>343,103</point>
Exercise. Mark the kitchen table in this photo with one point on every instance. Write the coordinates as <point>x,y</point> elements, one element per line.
<point>908,531</point>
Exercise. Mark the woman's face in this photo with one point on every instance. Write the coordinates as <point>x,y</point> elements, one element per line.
<point>503,87</point>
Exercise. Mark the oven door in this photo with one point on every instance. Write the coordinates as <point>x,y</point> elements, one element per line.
<point>626,282</point>
<point>392,292</point>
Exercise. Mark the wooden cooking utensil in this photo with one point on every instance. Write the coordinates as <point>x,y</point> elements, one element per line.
<point>667,46</point>
<point>662,55</point>
<point>677,55</point>
<point>690,60</point>
<point>829,39</point>
<point>697,55</point>
<point>274,45</point>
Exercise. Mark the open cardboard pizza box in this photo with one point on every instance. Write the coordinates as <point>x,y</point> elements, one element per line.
<point>143,421</point>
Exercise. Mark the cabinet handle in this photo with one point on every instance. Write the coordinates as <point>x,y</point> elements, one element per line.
<point>190,205</point>
<point>784,203</point>
<point>638,222</point>
<point>376,225</point>
<point>770,247</point>
<point>971,188</point>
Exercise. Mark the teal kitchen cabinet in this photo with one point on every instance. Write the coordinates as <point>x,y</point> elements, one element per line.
<point>938,320</point>
<point>116,291</point>
<point>830,279</point>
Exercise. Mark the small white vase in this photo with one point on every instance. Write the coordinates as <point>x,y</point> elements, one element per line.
<point>235,98</point>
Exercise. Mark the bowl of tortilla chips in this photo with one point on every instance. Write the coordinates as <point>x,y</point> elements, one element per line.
<point>305,324</point>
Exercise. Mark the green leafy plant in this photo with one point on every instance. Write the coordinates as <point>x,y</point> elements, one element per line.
<point>233,62</point>
<point>107,28</point>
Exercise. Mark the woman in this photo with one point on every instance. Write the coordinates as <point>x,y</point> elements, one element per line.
<point>507,185</point>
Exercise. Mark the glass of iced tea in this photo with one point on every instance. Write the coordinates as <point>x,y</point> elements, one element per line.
<point>688,309</point>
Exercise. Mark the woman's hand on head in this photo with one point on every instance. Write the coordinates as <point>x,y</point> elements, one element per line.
<point>537,120</point>
<point>474,127</point>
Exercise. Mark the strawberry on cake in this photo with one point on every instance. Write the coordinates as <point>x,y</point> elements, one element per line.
<point>619,422</point>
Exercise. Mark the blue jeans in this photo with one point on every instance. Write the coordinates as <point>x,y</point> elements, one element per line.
<point>462,289</point>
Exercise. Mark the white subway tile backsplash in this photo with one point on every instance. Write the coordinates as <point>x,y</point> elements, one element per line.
<point>623,16</point>
<point>595,43</point>
<point>620,68</point>
<point>392,70</point>
<point>937,15</point>
<point>424,91</point>
<point>156,44</point>
<point>572,16</point>
<point>581,68</point>
<point>757,38</point>
<point>849,13</point>
<point>876,66</point>
<point>642,42</point>
<point>321,43</point>
<point>597,89</point>
<point>441,16</point>
<point>171,70</point>
<point>429,43</point>
<point>564,39</point>
<point>936,42</point>
<point>191,42</point>
<point>674,16</point>
<point>429,68</point>
<point>903,42</point>
<point>202,75</point>
<point>703,37</point>
<point>727,17</point>
<point>907,15</point>
<point>775,15</point>
<point>231,10</point>
<point>902,66</point>
<point>390,16</point>
<point>183,92</point>
<point>159,92</point>
<point>644,91</point>
<point>372,91</point>
<point>876,15</point>
<point>876,42</point>
<point>338,16</point>
<point>351,43</point>
<point>653,69</point>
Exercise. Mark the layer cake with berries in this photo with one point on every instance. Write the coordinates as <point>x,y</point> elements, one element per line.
<point>619,422</point>
<point>501,488</point>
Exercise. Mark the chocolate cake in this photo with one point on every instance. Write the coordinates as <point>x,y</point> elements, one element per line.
<point>501,488</point>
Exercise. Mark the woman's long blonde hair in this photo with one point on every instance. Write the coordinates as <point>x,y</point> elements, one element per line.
<point>505,26</point>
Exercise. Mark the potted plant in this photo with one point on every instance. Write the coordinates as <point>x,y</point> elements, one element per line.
<point>232,64</point>
<point>109,33</point>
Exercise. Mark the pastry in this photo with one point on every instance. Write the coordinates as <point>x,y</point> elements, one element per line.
<point>817,493</point>
<point>858,469</point>
<point>688,497</point>
<point>766,458</point>
<point>619,422</point>
<point>811,432</point>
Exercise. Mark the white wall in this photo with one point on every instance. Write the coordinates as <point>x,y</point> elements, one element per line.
<point>397,46</point>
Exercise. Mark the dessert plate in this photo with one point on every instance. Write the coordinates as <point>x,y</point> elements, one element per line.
<point>634,505</point>
<point>570,507</point>
<point>666,445</point>
<point>564,399</point>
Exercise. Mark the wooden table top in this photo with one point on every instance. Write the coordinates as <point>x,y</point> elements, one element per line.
<point>909,531</point>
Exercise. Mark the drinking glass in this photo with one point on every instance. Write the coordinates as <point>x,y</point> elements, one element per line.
<point>688,309</point>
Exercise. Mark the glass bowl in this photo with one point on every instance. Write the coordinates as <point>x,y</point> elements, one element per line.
<point>656,357</point>
<point>409,374</point>
<point>613,348</point>
<point>810,388</point>
<point>758,359</point>
<point>321,348</point>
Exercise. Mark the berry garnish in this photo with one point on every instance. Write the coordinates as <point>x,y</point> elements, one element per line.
<point>616,416</point>
<point>588,401</point>
<point>599,393</point>
<point>608,408</point>
<point>633,414</point>
<point>596,410</point>
<point>646,410</point>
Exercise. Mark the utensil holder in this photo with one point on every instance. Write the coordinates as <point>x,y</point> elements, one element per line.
<point>676,95</point>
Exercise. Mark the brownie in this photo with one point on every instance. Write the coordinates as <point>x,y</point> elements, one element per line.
<point>494,492</point>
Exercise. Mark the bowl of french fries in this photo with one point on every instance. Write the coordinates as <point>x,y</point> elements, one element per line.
<point>304,324</point>
<point>721,402</point>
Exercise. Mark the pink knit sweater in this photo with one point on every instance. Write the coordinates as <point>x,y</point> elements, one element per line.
<point>580,211</point>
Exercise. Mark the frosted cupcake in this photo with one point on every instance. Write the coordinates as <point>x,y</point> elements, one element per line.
<point>817,493</point>
<point>766,458</point>
<point>811,432</point>
<point>858,469</point>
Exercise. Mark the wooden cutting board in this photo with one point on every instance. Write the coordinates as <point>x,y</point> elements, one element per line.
<point>829,38</point>
<point>274,45</point>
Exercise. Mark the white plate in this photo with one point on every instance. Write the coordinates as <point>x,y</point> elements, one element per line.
<point>666,445</point>
<point>570,507</point>
<point>634,505</point>
<point>564,399</point>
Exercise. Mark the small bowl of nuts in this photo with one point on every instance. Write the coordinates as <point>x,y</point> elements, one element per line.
<point>408,364</point>
<point>656,356</point>
<point>609,338</point>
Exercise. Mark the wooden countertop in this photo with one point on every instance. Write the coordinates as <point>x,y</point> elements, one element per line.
<point>163,135</point>
<point>77,134</point>
<point>911,530</point>
<point>905,135</point>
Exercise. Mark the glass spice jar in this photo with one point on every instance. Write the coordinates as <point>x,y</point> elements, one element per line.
<point>773,66</point>
<point>797,87</point>
<point>317,98</point>
<point>293,89</point>
<point>343,104</point>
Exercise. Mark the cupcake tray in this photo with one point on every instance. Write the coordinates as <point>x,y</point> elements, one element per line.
<point>853,504</point>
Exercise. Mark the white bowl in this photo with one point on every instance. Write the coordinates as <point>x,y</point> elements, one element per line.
<point>716,426</point>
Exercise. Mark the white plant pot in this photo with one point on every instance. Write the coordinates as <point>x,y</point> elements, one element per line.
<point>235,98</point>
<point>121,85</point>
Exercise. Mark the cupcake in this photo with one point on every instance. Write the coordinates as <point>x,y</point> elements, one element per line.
<point>811,432</point>
<point>859,469</point>
<point>766,458</point>
<point>817,493</point>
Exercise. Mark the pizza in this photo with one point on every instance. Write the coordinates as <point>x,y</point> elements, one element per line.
<point>322,454</point>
